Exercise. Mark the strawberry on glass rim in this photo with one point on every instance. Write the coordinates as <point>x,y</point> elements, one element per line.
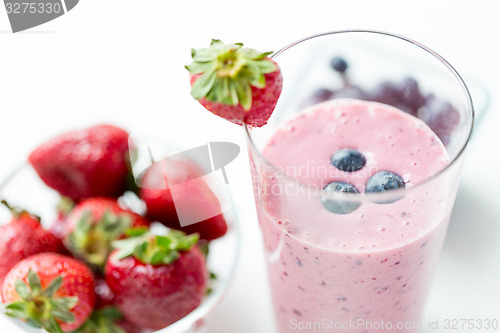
<point>239,84</point>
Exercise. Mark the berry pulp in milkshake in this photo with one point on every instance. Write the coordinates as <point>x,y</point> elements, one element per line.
<point>352,266</point>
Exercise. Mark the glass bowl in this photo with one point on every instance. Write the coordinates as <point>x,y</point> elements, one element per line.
<point>23,188</point>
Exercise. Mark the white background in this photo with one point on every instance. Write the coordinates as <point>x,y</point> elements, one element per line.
<point>122,61</point>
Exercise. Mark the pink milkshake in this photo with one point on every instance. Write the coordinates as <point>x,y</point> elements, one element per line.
<point>352,265</point>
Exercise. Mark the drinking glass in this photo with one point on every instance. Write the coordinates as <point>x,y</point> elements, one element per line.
<point>376,278</point>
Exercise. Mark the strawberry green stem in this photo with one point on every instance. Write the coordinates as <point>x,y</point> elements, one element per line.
<point>39,307</point>
<point>227,73</point>
<point>155,249</point>
<point>16,211</point>
<point>91,241</point>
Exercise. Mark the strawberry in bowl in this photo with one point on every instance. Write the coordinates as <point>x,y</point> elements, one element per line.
<point>22,237</point>
<point>88,226</point>
<point>50,291</point>
<point>84,163</point>
<point>171,266</point>
<point>94,224</point>
<point>197,196</point>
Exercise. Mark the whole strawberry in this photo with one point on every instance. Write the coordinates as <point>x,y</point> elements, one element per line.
<point>157,280</point>
<point>51,291</point>
<point>22,237</point>
<point>192,194</point>
<point>239,84</point>
<point>94,224</point>
<point>85,163</point>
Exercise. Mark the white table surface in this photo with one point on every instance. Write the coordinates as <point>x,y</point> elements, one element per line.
<point>122,61</point>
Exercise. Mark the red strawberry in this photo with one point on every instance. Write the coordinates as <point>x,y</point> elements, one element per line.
<point>22,237</point>
<point>157,280</point>
<point>50,290</point>
<point>94,224</point>
<point>85,163</point>
<point>239,84</point>
<point>192,193</point>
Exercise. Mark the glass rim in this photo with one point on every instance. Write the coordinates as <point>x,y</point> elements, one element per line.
<point>396,192</point>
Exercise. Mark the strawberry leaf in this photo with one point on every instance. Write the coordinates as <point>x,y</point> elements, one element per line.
<point>78,238</point>
<point>64,303</point>
<point>92,240</point>
<point>216,42</point>
<point>156,249</point>
<point>39,307</point>
<point>34,282</point>
<point>228,71</point>
<point>203,84</point>
<point>232,93</point>
<point>157,257</point>
<point>181,241</point>
<point>163,242</point>
<point>17,310</point>
<point>52,326</point>
<point>65,316</point>
<point>53,286</point>
<point>267,66</point>
<point>34,323</point>
<point>263,55</point>
<point>170,257</point>
<point>222,88</point>
<point>136,231</point>
<point>22,289</point>
<point>201,66</point>
<point>126,247</point>
<point>244,94</point>
<point>113,226</point>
